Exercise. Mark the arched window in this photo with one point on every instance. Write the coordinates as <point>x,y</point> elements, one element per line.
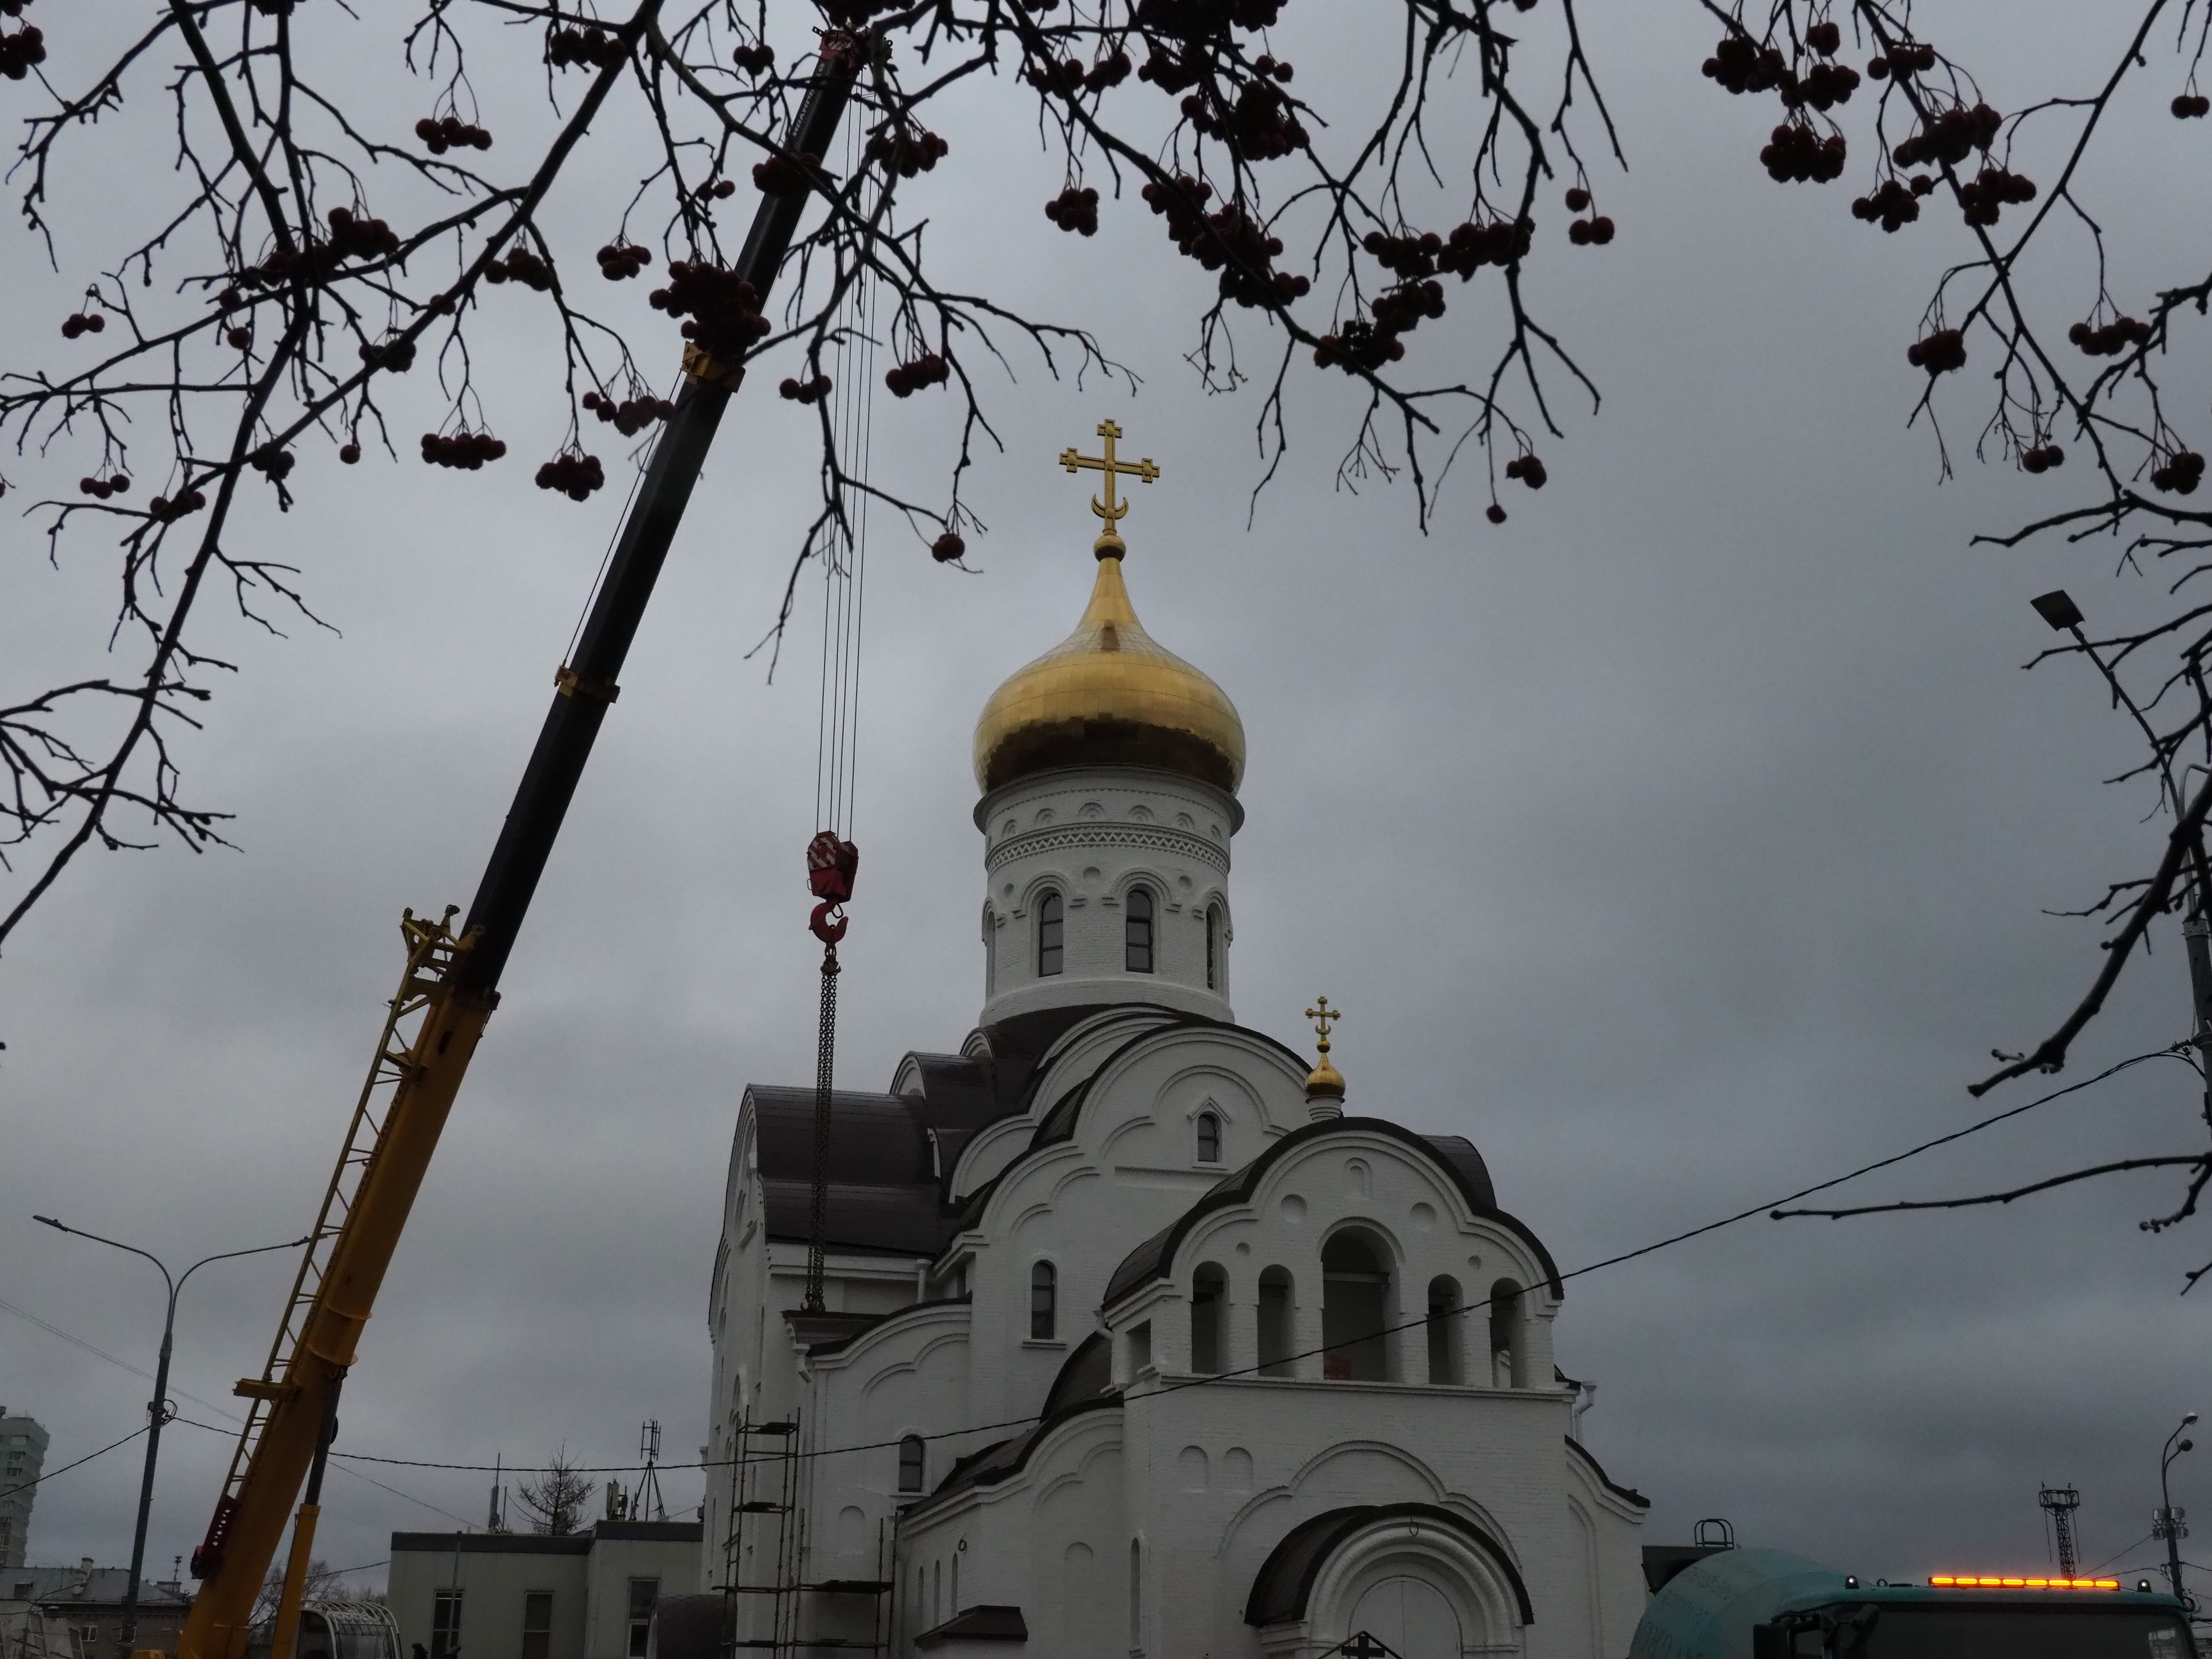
<point>1506,1361</point>
<point>1136,931</point>
<point>1216,967</point>
<point>1051,935</point>
<point>1276,1342</point>
<point>1209,1138</point>
<point>990,953</point>
<point>1044,1301</point>
<point>1355,1302</point>
<point>912,1454</point>
<point>1445,1323</point>
<point>1136,1595</point>
<point>1209,1298</point>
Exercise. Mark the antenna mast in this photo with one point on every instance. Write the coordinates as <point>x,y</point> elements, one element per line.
<point>2061,1502</point>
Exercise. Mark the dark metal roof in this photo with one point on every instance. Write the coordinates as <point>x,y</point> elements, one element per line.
<point>1287,1578</point>
<point>1084,1384</point>
<point>863,1323</point>
<point>490,1543</point>
<point>983,1624</point>
<point>1606,1481</point>
<point>1456,1155</point>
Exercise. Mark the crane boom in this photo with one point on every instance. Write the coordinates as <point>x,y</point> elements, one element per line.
<point>451,985</point>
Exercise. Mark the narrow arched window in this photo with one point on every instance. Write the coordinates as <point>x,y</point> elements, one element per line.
<point>1209,1138</point>
<point>1355,1309</point>
<point>1209,1294</point>
<point>1444,1330</point>
<point>1508,1364</point>
<point>1044,1301</point>
<point>990,953</point>
<point>1052,929</point>
<point>1276,1330</point>
<point>1136,1594</point>
<point>1136,931</point>
<point>1216,967</point>
<point>911,1463</point>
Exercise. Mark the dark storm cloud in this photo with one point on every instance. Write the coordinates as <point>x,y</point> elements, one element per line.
<point>1683,842</point>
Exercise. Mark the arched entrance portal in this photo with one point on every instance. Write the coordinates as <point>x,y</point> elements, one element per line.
<point>1409,1616</point>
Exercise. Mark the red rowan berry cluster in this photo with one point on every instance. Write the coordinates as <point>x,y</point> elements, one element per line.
<point>778,177</point>
<point>1228,241</point>
<point>1050,74</point>
<point>468,451</point>
<point>1529,470</point>
<point>522,266</point>
<point>163,510</point>
<point>1797,155</point>
<point>716,190</point>
<point>1825,37</point>
<point>720,309</point>
<point>273,463</point>
<point>2042,458</point>
<point>1938,353</point>
<point>947,548</point>
<point>1596,229</point>
<point>1187,19</point>
<point>1108,71</point>
<point>450,132</point>
<point>907,379</point>
<point>1951,136</point>
<point>1259,125</point>
<point>1906,60</point>
<point>574,475</point>
<point>1355,345</point>
<point>1896,203</point>
<point>630,415</point>
<point>755,59</point>
<point>1742,65</point>
<point>806,392</point>
<point>2183,471</point>
<point>21,52</point>
<point>1824,86</point>
<point>397,355</point>
<point>1074,210</point>
<point>907,150</point>
<point>592,45</point>
<point>1495,513</point>
<point>2121,334</point>
<point>1399,310</point>
<point>353,237</point>
<point>240,338</point>
<point>13,7</point>
<point>350,452</point>
<point>621,260</point>
<point>1985,195</point>
<point>2191,105</point>
<point>103,488</point>
<point>1173,71</point>
<point>83,322</point>
<point>1470,247</point>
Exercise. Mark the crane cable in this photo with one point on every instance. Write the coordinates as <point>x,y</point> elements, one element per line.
<point>832,860</point>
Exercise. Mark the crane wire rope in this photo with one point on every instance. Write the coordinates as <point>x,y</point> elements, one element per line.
<point>832,860</point>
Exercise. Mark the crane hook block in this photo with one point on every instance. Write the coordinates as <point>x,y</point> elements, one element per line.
<point>821,924</point>
<point>831,865</point>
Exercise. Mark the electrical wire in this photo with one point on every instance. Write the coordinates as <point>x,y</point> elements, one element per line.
<point>1212,1378</point>
<point>79,1464</point>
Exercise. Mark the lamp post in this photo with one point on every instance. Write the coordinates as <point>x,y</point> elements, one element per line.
<point>2167,1524</point>
<point>157,1409</point>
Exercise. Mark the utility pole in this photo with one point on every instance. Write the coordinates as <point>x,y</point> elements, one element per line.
<point>2061,1502</point>
<point>2171,1523</point>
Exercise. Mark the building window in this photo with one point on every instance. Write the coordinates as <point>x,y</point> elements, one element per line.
<point>538,1625</point>
<point>643,1593</point>
<point>1444,1320</point>
<point>1507,1363</point>
<point>1136,931</point>
<point>1136,1595</point>
<point>1140,1348</point>
<point>1209,1138</point>
<point>1044,1301</point>
<point>1214,976</point>
<point>1052,935</point>
<point>912,1461</point>
<point>1276,1343</point>
<point>446,1625</point>
<point>1209,1295</point>
<point>990,953</point>
<point>1355,1302</point>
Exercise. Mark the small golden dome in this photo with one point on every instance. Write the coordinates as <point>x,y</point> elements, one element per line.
<point>1324,1080</point>
<point>1107,694</point>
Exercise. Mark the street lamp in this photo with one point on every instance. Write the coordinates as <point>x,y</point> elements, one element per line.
<point>157,1410</point>
<point>2167,1522</point>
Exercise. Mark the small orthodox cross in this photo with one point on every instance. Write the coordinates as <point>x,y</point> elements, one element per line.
<point>1323,1016</point>
<point>1110,509</point>
<point>1363,1646</point>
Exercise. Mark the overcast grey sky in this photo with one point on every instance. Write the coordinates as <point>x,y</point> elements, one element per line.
<point>1682,842</point>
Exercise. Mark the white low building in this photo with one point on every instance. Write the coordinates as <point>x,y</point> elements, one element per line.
<point>1134,1339</point>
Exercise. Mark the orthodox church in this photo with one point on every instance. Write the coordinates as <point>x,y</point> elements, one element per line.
<point>1133,1337</point>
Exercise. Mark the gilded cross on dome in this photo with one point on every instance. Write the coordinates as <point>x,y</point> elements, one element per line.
<point>1109,545</point>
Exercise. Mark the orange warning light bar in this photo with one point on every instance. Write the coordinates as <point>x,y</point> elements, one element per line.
<point>1947,1581</point>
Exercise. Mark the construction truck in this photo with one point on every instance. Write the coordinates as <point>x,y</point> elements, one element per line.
<point>1723,1602</point>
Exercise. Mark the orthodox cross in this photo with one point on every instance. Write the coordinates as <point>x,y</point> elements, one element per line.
<point>1110,509</point>
<point>1363,1646</point>
<point>1323,1016</point>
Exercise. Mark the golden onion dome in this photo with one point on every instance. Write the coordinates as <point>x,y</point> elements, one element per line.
<point>1108,694</point>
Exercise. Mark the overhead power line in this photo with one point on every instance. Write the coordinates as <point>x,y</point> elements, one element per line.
<point>80,1463</point>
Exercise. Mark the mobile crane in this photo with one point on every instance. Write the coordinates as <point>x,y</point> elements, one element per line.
<point>448,993</point>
